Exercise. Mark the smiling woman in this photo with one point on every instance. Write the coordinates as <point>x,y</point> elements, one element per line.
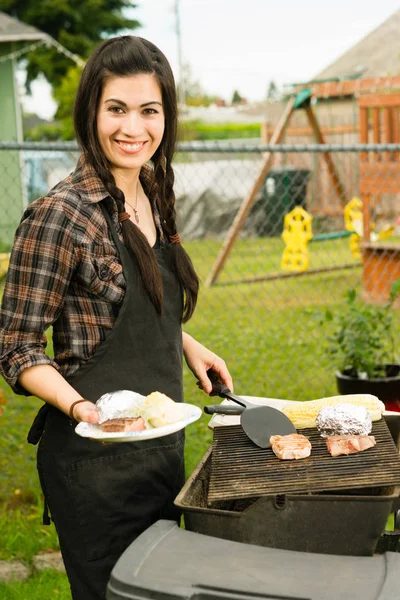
<point>100,260</point>
<point>130,126</point>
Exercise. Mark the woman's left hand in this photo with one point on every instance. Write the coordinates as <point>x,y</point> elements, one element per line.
<point>199,360</point>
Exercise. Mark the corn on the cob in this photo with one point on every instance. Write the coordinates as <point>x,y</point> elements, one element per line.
<point>303,414</point>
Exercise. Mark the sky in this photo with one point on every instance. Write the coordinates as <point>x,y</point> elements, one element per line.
<point>244,44</point>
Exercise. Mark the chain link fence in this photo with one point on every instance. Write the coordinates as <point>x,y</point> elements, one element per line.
<point>277,236</point>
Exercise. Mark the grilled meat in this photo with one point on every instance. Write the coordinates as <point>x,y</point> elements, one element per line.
<point>125,424</point>
<point>349,444</point>
<point>290,447</point>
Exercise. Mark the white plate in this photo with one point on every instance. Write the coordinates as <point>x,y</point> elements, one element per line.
<point>190,413</point>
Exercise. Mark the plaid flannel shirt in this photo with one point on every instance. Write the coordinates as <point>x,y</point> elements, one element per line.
<point>64,272</point>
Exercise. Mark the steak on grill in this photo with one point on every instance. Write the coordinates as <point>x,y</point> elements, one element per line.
<point>349,444</point>
<point>290,447</point>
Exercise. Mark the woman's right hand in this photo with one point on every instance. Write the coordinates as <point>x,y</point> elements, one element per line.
<point>86,411</point>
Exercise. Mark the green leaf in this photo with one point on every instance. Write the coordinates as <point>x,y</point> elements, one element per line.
<point>395,289</point>
<point>362,340</point>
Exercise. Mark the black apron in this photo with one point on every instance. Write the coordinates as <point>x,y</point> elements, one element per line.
<point>102,496</point>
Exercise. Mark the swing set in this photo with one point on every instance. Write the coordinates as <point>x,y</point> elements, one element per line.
<point>379,174</point>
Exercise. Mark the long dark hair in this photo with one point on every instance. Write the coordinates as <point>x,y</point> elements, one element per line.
<point>123,56</point>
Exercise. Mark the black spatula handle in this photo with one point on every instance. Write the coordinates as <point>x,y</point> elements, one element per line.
<point>220,389</point>
<point>223,409</point>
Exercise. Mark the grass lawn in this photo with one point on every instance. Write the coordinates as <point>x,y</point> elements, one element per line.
<point>270,335</point>
<point>42,586</point>
<point>260,257</point>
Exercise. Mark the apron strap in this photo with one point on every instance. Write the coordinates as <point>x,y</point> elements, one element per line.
<point>46,515</point>
<point>37,427</point>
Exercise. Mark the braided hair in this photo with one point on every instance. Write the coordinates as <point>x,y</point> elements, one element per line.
<point>123,56</point>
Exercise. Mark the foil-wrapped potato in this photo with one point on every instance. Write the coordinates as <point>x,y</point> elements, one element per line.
<point>119,404</point>
<point>343,419</point>
<point>156,409</point>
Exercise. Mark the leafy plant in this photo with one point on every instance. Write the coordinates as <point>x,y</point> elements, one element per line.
<point>201,130</point>
<point>363,341</point>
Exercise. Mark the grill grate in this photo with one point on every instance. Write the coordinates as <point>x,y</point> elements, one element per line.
<point>239,469</point>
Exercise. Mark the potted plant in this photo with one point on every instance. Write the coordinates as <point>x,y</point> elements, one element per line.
<point>363,344</point>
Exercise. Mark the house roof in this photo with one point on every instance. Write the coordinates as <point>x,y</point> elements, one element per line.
<point>12,30</point>
<point>378,54</point>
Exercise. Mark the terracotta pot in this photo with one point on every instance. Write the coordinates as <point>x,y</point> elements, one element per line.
<point>385,388</point>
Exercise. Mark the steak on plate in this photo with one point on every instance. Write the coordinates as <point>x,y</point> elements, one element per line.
<point>125,425</point>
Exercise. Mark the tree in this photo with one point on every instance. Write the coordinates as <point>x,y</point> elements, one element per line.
<point>194,92</point>
<point>236,98</point>
<point>79,25</point>
<point>64,95</point>
<point>273,93</point>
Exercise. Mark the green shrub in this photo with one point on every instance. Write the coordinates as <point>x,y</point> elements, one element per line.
<point>198,130</point>
<point>363,340</point>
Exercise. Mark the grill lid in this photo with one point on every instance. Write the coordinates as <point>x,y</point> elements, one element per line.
<point>239,469</point>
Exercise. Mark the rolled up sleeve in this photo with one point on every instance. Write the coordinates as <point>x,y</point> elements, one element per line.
<point>41,266</point>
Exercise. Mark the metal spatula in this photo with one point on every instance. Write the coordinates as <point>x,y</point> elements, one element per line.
<point>258,422</point>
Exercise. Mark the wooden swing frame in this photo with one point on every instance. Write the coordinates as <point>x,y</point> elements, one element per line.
<point>315,90</point>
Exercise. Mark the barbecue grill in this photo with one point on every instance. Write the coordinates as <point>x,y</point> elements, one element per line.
<point>323,504</point>
<point>306,527</point>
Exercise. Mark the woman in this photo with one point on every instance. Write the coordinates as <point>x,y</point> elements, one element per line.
<point>100,260</point>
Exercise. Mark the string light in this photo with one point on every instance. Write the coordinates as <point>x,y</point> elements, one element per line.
<point>21,52</point>
<point>47,41</point>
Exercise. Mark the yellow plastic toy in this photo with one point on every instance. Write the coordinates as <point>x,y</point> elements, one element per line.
<point>353,219</point>
<point>296,234</point>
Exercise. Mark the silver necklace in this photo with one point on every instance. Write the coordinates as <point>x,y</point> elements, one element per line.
<point>134,208</point>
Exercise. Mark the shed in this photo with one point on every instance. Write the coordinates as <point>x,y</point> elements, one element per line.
<point>15,38</point>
